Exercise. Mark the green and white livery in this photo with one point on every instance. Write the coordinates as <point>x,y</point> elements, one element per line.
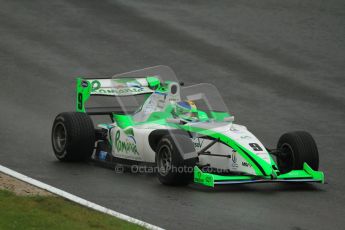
<point>185,133</point>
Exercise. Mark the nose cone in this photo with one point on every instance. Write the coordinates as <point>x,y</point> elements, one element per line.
<point>251,146</point>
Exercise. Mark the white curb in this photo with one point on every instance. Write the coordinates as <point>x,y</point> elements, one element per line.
<point>76,199</point>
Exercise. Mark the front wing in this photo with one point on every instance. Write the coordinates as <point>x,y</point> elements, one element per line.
<point>307,174</point>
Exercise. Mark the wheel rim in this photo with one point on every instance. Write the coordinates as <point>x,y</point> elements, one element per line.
<point>286,159</point>
<point>59,137</point>
<point>164,160</point>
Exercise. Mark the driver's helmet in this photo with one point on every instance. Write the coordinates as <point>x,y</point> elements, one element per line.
<point>186,110</point>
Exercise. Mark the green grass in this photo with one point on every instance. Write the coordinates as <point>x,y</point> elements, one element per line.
<point>48,212</point>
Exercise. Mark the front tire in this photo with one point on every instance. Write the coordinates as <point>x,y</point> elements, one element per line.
<point>297,148</point>
<point>172,169</point>
<point>73,136</point>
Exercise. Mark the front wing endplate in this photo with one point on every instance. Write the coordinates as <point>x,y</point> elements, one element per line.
<point>307,174</point>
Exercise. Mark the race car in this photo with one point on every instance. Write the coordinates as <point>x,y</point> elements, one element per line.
<point>186,133</point>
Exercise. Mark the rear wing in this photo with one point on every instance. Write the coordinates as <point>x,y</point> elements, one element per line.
<point>117,87</point>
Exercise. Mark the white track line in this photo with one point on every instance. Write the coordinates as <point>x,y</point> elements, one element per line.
<point>76,199</point>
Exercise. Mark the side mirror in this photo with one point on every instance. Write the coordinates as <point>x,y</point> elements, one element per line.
<point>229,119</point>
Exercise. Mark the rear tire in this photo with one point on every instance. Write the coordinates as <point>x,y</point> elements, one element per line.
<point>297,148</point>
<point>172,169</point>
<point>73,136</point>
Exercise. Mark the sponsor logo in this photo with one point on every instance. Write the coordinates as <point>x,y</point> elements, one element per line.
<point>124,91</point>
<point>160,93</point>
<point>246,164</point>
<point>173,99</point>
<point>128,145</point>
<point>119,88</point>
<point>95,85</point>
<point>126,82</point>
<point>160,104</point>
<point>234,159</point>
<point>134,84</point>
<point>245,137</point>
<point>233,129</point>
<point>198,142</point>
<point>237,131</point>
<point>84,84</point>
<point>255,146</point>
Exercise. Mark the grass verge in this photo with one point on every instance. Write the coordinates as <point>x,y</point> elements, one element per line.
<point>50,212</point>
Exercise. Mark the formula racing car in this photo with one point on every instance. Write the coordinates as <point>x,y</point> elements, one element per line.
<point>185,132</point>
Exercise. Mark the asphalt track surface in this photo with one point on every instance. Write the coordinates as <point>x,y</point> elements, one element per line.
<point>278,64</point>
